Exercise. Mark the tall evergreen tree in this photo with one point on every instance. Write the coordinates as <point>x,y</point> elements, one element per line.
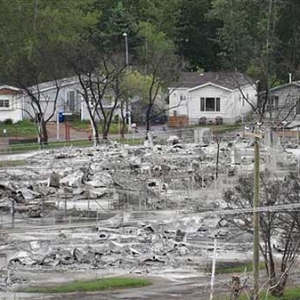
<point>195,34</point>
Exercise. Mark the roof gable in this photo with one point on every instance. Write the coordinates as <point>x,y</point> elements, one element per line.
<point>228,80</point>
<point>287,85</point>
<point>209,84</point>
<point>9,90</point>
<point>50,85</point>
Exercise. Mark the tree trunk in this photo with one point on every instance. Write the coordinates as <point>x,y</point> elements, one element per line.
<point>217,160</point>
<point>122,131</point>
<point>105,131</point>
<point>44,132</point>
<point>123,128</point>
<point>235,288</point>
<point>277,291</point>
<point>148,118</point>
<point>272,270</point>
<point>96,136</point>
<point>95,132</point>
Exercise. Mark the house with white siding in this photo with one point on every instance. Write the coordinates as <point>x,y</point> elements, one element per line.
<point>283,102</point>
<point>11,103</point>
<point>205,98</point>
<point>63,95</point>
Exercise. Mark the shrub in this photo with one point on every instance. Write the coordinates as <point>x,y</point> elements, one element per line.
<point>202,121</point>
<point>219,120</point>
<point>8,121</point>
<point>116,118</point>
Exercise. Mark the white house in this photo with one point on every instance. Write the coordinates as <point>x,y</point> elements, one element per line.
<point>69,99</point>
<point>64,95</point>
<point>11,103</point>
<point>61,95</point>
<point>205,97</point>
<point>283,102</point>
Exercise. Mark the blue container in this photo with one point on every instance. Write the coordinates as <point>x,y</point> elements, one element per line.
<point>61,117</point>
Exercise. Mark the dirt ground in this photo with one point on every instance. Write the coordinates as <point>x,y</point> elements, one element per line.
<point>161,289</point>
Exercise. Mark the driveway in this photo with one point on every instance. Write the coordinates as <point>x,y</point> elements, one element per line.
<point>196,288</point>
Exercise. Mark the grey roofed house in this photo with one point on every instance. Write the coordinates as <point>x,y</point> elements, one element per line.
<point>69,98</point>
<point>212,97</point>
<point>44,86</point>
<point>11,99</point>
<point>229,80</point>
<point>284,102</point>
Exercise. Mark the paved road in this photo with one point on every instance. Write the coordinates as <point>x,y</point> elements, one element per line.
<point>162,289</point>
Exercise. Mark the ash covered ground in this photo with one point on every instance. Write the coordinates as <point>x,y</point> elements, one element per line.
<point>114,209</point>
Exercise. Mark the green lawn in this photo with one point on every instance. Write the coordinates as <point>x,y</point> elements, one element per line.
<point>228,267</point>
<point>12,163</point>
<point>85,125</point>
<point>24,128</point>
<point>27,128</point>
<point>236,267</point>
<point>290,294</point>
<point>81,125</point>
<point>28,147</point>
<point>225,128</point>
<point>220,128</point>
<point>91,285</point>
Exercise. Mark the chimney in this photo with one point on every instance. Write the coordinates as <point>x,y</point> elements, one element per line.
<point>290,77</point>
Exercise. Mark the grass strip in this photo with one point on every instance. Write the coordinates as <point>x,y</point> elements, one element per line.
<point>29,147</point>
<point>91,285</point>
<point>219,129</point>
<point>12,163</point>
<point>234,267</point>
<point>289,294</point>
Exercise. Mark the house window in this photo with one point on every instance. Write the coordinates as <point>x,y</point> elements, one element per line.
<point>71,100</point>
<point>210,104</point>
<point>4,103</point>
<point>182,97</point>
<point>273,102</point>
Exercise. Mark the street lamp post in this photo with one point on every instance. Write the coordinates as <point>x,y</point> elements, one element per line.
<point>284,123</point>
<point>128,116</point>
<point>126,49</point>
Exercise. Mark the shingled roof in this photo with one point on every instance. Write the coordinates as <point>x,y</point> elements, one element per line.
<point>229,80</point>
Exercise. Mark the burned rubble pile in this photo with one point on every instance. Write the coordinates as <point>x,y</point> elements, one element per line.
<point>123,242</point>
<point>119,175</point>
<point>158,204</point>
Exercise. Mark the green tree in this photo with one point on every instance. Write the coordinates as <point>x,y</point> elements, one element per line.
<point>161,14</point>
<point>195,34</point>
<point>279,227</point>
<point>160,64</point>
<point>248,41</point>
<point>32,46</point>
<point>288,32</point>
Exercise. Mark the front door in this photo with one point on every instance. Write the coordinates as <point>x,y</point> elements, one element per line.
<point>298,107</point>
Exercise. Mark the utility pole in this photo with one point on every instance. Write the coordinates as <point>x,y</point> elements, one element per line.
<point>213,270</point>
<point>256,136</point>
<point>13,213</point>
<point>256,220</point>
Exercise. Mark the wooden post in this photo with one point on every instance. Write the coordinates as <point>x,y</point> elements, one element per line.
<point>213,270</point>
<point>256,220</point>
<point>256,216</point>
<point>65,208</point>
<point>13,213</point>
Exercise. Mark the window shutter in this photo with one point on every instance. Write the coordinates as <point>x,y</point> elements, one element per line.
<point>217,104</point>
<point>202,104</point>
